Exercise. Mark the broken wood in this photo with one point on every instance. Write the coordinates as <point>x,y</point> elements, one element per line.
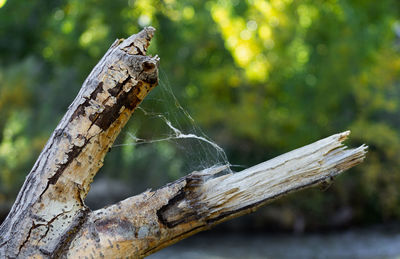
<point>49,209</point>
<point>146,223</point>
<point>50,219</point>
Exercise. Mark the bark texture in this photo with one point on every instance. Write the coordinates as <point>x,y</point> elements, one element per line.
<point>49,209</point>
<point>146,223</point>
<point>49,218</point>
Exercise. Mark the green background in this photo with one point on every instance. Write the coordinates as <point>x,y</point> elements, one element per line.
<point>259,77</point>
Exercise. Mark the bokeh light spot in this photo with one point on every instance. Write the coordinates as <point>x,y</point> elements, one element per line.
<point>2,3</point>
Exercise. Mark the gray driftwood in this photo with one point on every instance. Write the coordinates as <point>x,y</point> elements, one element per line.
<point>49,217</point>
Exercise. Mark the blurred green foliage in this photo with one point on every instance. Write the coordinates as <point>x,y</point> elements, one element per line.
<point>260,77</point>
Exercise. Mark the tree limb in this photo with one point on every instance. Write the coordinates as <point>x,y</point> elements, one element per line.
<point>49,208</point>
<point>50,219</point>
<point>146,223</point>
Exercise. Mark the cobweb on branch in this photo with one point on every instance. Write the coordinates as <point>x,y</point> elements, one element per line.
<point>162,127</point>
<point>177,134</point>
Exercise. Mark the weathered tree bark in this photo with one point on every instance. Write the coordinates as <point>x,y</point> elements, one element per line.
<point>50,219</point>
<point>146,223</point>
<point>49,209</point>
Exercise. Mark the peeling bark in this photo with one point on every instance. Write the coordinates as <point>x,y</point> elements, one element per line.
<point>49,218</point>
<point>49,208</point>
<point>146,223</point>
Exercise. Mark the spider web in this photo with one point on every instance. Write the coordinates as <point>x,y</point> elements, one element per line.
<point>163,132</point>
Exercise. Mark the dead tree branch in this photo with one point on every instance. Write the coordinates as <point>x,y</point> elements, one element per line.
<point>49,209</point>
<point>146,223</point>
<point>49,217</point>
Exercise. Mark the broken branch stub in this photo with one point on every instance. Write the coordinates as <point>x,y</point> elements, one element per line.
<point>49,209</point>
<point>49,218</point>
<point>146,223</point>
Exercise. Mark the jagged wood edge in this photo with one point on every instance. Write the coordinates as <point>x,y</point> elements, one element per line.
<point>146,223</point>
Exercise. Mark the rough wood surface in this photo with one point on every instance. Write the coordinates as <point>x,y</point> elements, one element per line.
<point>49,218</point>
<point>49,209</point>
<point>146,223</point>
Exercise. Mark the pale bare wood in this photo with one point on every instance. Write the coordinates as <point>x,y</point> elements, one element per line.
<point>49,208</point>
<point>143,224</point>
<point>50,219</point>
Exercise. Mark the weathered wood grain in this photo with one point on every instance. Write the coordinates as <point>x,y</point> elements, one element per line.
<point>146,223</point>
<point>49,208</point>
<point>49,218</point>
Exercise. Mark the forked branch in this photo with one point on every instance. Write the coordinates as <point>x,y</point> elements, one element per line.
<point>50,219</point>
